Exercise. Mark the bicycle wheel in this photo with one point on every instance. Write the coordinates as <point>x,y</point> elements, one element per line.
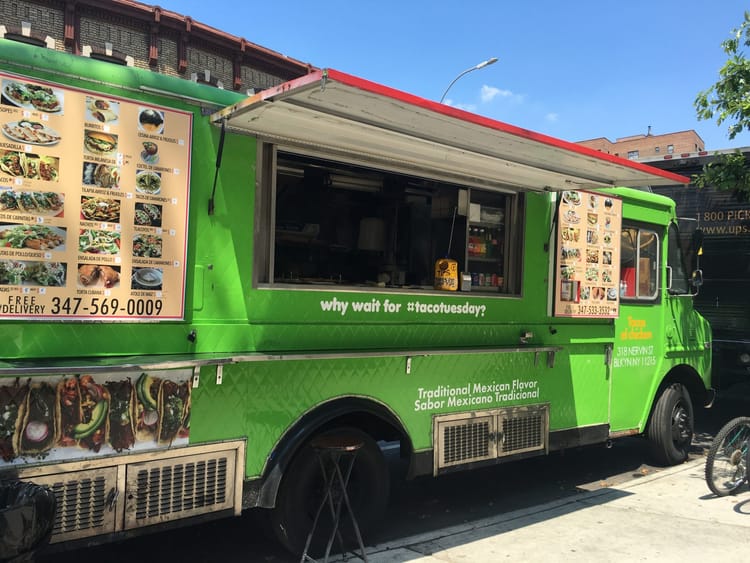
<point>726,461</point>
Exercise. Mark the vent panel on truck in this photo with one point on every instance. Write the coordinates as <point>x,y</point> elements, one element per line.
<point>159,491</point>
<point>473,437</point>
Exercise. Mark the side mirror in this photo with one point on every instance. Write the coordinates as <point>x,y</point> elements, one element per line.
<point>696,279</point>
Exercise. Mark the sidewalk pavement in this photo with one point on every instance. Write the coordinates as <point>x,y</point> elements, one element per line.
<point>669,515</point>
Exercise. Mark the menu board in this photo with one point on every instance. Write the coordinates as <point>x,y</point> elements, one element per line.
<point>588,255</point>
<point>93,205</point>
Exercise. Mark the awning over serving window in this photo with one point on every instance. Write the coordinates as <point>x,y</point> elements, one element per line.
<point>347,115</point>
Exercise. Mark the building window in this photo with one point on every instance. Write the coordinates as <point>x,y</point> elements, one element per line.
<point>632,155</point>
<point>670,149</point>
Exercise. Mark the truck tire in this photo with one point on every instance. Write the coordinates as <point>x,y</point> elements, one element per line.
<point>301,491</point>
<point>671,428</point>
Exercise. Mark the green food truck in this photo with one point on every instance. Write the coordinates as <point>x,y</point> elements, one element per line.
<point>195,284</point>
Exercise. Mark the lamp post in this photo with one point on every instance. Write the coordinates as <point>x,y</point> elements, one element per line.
<point>483,64</point>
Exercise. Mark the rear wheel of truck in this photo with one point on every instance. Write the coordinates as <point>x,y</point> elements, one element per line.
<point>671,428</point>
<point>302,489</point>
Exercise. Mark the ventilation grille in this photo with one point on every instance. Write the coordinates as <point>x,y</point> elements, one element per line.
<point>82,503</point>
<point>472,437</point>
<point>468,441</point>
<point>523,433</point>
<point>179,488</point>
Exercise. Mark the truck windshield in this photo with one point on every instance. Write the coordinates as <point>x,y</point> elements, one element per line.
<point>676,262</point>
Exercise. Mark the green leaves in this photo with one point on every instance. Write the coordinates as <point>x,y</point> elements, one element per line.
<point>729,98</point>
<point>728,171</point>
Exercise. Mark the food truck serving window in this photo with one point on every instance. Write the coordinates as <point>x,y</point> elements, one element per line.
<point>336,222</point>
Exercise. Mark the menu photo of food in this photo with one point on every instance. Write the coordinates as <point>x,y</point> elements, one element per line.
<point>97,241</point>
<point>31,96</point>
<point>29,165</point>
<point>147,245</point>
<point>22,272</point>
<point>101,175</point>
<point>570,291</point>
<point>31,132</point>
<point>150,152</point>
<point>99,143</point>
<point>148,215</point>
<point>147,278</point>
<point>34,237</point>
<point>151,120</point>
<point>50,204</point>
<point>100,209</point>
<point>98,275</point>
<point>571,198</point>
<point>147,182</point>
<point>102,110</point>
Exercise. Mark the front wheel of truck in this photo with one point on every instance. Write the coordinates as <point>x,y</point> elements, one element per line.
<point>302,489</point>
<point>671,428</point>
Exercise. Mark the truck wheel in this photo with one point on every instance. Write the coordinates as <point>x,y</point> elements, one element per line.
<point>302,489</point>
<point>671,428</point>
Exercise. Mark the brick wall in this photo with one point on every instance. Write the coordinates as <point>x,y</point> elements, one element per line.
<point>649,145</point>
<point>102,23</point>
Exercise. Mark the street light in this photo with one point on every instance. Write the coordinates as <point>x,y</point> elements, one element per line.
<point>483,64</point>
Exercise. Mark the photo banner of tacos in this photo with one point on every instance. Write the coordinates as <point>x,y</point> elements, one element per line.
<point>39,430</point>
<point>12,408</point>
<point>73,416</point>
<point>122,413</point>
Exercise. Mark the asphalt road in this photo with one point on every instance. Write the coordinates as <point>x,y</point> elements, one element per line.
<point>425,504</point>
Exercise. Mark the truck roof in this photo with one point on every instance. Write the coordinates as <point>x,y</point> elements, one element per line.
<point>352,116</point>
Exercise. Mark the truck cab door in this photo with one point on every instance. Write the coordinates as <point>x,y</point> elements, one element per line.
<point>639,327</point>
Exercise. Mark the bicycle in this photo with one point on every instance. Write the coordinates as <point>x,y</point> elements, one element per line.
<point>727,458</point>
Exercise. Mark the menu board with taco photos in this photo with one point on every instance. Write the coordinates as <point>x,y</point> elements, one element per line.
<point>587,265</point>
<point>67,417</point>
<point>93,205</point>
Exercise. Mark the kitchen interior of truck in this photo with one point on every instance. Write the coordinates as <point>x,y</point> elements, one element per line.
<point>346,224</point>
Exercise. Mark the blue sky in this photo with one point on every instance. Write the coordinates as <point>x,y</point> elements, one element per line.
<point>574,70</point>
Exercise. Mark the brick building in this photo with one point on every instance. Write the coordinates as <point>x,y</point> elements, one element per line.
<point>140,35</point>
<point>637,147</point>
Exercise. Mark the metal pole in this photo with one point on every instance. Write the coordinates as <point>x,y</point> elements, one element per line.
<point>468,70</point>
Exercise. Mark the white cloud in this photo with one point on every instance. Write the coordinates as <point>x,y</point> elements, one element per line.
<point>552,117</point>
<point>465,107</point>
<point>489,93</point>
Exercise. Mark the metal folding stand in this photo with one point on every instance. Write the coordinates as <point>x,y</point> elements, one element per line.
<point>332,450</point>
